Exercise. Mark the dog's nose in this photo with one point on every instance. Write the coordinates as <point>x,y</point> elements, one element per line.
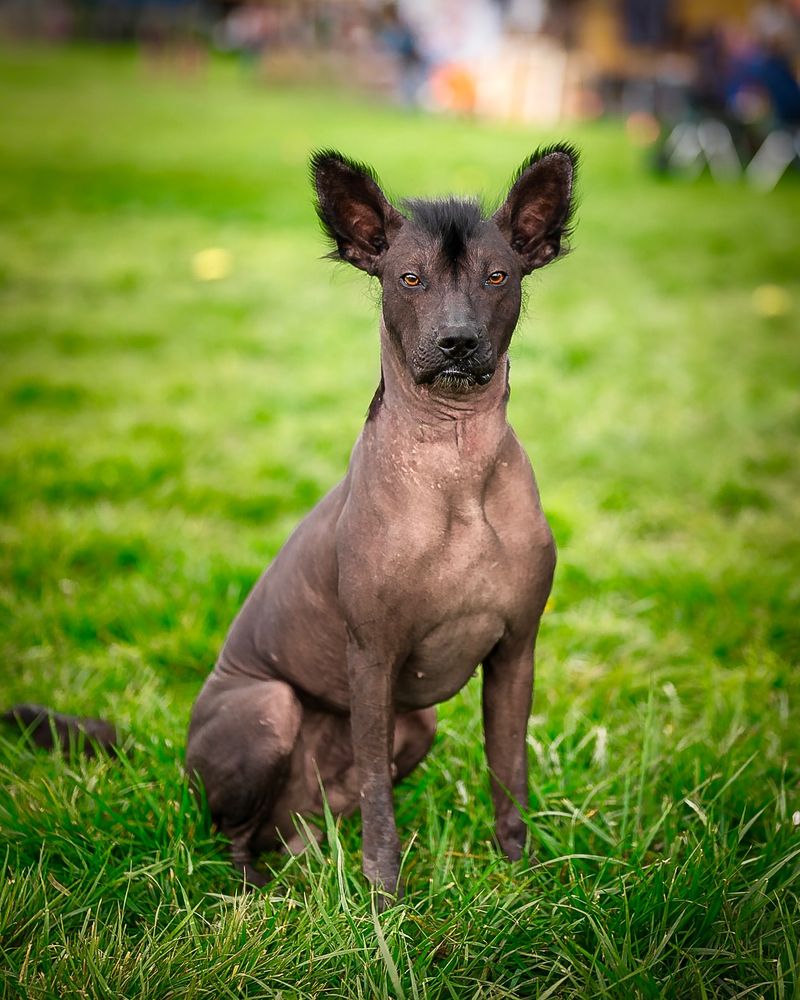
<point>457,341</point>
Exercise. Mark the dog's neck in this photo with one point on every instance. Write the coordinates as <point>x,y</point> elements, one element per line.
<point>446,445</point>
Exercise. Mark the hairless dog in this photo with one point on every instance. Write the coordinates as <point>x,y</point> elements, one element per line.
<point>430,558</point>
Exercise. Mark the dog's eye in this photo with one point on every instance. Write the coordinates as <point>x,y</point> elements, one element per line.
<point>410,280</point>
<point>497,278</point>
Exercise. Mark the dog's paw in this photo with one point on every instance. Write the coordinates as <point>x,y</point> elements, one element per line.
<point>512,835</point>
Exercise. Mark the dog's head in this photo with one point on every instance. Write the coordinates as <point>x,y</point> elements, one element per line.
<point>451,276</point>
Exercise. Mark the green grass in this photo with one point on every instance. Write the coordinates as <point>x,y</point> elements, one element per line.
<point>162,436</point>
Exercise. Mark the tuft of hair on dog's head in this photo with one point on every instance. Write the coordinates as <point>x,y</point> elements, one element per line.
<point>451,221</point>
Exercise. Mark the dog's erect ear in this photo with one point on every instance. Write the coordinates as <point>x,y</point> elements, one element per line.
<point>536,216</point>
<point>353,210</point>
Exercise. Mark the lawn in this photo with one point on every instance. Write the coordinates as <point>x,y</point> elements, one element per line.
<point>163,434</point>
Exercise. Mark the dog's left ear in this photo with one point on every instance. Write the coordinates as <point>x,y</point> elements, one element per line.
<point>535,218</point>
<point>354,212</point>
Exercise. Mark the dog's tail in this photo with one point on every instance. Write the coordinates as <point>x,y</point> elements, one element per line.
<point>49,729</point>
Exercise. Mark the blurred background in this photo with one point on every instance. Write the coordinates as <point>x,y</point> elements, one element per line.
<point>714,80</point>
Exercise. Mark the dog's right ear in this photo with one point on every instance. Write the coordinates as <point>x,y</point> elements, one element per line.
<point>353,210</point>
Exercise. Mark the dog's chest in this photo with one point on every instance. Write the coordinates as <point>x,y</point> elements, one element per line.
<point>466,588</point>
<point>453,553</point>
<point>443,661</point>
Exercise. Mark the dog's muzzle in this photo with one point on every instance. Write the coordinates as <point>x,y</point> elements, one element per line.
<point>456,360</point>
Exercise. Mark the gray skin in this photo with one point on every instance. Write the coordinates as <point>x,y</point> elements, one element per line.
<point>431,557</point>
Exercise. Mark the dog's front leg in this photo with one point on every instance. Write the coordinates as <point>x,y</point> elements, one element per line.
<point>372,724</point>
<point>507,695</point>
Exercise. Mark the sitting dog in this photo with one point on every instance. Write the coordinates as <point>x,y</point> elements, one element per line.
<point>432,555</point>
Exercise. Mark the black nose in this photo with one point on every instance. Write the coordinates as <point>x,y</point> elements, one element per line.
<point>457,341</point>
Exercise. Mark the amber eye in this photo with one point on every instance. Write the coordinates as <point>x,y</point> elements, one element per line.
<point>497,278</point>
<point>410,280</point>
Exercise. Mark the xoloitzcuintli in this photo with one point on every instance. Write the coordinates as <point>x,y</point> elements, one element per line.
<point>431,557</point>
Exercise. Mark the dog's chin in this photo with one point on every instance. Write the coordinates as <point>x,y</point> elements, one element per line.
<point>458,382</point>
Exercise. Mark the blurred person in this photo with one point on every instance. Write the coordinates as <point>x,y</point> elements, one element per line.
<point>744,104</point>
<point>454,30</point>
<point>399,39</point>
<point>764,62</point>
<point>453,35</point>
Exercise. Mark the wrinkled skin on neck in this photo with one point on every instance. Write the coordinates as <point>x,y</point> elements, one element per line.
<point>434,404</point>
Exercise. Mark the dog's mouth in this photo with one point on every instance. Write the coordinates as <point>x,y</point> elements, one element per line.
<point>457,380</point>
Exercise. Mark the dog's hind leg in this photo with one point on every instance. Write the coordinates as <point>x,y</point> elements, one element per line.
<point>413,737</point>
<point>241,738</point>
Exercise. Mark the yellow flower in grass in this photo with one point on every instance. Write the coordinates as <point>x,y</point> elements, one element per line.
<point>771,300</point>
<point>212,264</point>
